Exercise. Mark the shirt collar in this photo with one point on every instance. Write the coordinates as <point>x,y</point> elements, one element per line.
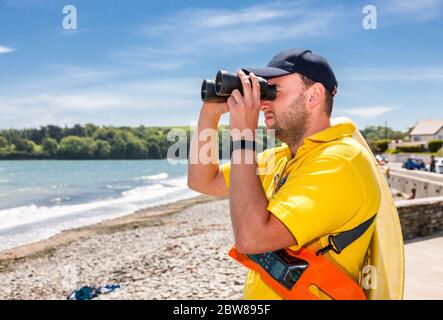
<point>334,132</point>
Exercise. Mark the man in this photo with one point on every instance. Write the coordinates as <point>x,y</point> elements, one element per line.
<point>321,181</point>
<point>432,164</point>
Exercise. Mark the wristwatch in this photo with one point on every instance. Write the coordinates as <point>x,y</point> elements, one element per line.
<point>243,144</point>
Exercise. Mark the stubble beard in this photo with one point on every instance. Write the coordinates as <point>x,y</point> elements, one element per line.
<point>291,125</point>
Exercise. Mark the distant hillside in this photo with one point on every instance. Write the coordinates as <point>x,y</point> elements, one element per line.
<point>89,141</point>
<point>373,133</point>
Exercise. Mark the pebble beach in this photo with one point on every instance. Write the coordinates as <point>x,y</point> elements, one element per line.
<point>173,251</point>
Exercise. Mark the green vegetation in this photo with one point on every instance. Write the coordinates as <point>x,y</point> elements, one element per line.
<point>93,142</point>
<point>380,146</point>
<point>373,133</point>
<point>411,149</point>
<point>435,145</point>
<point>85,142</point>
<point>379,137</point>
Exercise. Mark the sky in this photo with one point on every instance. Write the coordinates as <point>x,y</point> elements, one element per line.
<point>133,63</point>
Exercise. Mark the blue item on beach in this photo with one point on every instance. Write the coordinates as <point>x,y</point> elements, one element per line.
<point>108,288</point>
<point>88,293</point>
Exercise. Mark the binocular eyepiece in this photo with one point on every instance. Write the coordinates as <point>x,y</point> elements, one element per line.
<point>220,89</point>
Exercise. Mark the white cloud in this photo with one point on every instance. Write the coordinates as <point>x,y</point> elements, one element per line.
<point>125,102</point>
<point>412,6</point>
<point>4,49</point>
<point>70,102</point>
<point>369,112</point>
<point>224,18</point>
<point>392,74</point>
<point>410,10</point>
<point>183,36</point>
<point>200,20</point>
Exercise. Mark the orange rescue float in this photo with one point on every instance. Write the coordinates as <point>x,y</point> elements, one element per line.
<point>290,274</point>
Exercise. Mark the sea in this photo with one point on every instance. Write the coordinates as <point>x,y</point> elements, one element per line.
<point>40,198</point>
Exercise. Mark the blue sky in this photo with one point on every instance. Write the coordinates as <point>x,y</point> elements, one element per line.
<point>141,62</point>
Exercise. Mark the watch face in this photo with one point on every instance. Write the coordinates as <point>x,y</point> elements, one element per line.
<point>243,144</point>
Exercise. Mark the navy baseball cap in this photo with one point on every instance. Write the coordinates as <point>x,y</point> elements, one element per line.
<point>302,61</point>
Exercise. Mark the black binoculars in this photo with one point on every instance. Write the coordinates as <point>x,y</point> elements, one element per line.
<point>220,89</point>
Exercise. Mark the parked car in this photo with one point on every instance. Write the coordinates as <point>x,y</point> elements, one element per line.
<point>414,164</point>
<point>439,165</point>
<point>381,160</point>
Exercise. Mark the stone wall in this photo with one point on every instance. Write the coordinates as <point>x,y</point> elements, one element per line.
<point>420,217</point>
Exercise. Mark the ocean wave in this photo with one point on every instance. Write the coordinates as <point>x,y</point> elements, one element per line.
<point>118,187</point>
<point>31,223</point>
<point>60,186</point>
<point>60,199</point>
<point>4,181</point>
<point>159,176</point>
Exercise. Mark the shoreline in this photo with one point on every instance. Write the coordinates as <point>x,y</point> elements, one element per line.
<point>174,251</point>
<point>138,219</point>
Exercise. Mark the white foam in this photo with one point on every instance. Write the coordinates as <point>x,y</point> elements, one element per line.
<point>159,176</point>
<point>59,199</point>
<point>28,224</point>
<point>59,186</point>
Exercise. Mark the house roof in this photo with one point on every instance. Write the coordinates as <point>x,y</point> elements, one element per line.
<point>427,127</point>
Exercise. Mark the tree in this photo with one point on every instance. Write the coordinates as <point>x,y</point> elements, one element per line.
<point>50,146</point>
<point>106,134</point>
<point>73,147</point>
<point>79,131</point>
<point>24,145</point>
<point>381,145</point>
<point>86,142</point>
<point>373,133</point>
<point>102,149</point>
<point>37,135</point>
<point>135,148</point>
<point>118,149</point>
<point>153,151</point>
<point>435,145</point>
<point>90,129</point>
<point>54,132</point>
<point>3,142</point>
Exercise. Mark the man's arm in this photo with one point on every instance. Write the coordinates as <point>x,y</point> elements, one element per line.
<point>203,169</point>
<point>256,230</point>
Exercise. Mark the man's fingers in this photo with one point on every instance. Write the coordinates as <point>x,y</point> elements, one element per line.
<point>238,98</point>
<point>246,84</point>
<point>256,95</point>
<point>231,102</point>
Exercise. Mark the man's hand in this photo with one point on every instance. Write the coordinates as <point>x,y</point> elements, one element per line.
<point>245,110</point>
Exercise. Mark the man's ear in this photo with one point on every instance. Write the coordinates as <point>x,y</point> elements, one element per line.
<point>315,95</point>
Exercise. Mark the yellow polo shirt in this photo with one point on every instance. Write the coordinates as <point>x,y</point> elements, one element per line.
<point>328,187</point>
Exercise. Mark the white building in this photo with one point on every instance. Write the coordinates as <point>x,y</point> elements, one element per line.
<point>427,130</point>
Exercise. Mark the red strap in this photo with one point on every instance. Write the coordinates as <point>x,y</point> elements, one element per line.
<point>321,273</point>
